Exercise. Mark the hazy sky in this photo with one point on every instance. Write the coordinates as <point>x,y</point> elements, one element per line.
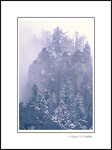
<point>30,40</point>
<point>84,26</point>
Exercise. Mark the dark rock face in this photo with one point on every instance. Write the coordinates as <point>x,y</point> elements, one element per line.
<point>49,71</point>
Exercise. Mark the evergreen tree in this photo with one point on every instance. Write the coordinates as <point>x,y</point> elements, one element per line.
<point>47,94</point>
<point>66,112</point>
<point>80,112</point>
<point>61,115</point>
<point>47,38</point>
<point>60,41</point>
<point>67,92</point>
<point>36,97</point>
<point>76,41</point>
<point>74,105</point>
<point>79,42</point>
<point>87,54</point>
<point>45,101</point>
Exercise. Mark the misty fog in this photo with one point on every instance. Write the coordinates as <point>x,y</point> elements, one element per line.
<point>29,47</point>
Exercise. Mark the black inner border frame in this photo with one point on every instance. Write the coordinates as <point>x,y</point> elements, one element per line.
<point>18,78</point>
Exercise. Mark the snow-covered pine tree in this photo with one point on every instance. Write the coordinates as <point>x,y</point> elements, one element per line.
<point>36,97</point>
<point>47,94</point>
<point>47,37</point>
<point>87,54</point>
<point>74,104</point>
<point>66,114</point>
<point>61,42</point>
<point>45,101</point>
<point>61,115</point>
<point>80,112</point>
<point>79,42</point>
<point>67,92</point>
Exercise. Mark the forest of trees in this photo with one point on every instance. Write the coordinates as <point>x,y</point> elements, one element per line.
<point>60,86</point>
